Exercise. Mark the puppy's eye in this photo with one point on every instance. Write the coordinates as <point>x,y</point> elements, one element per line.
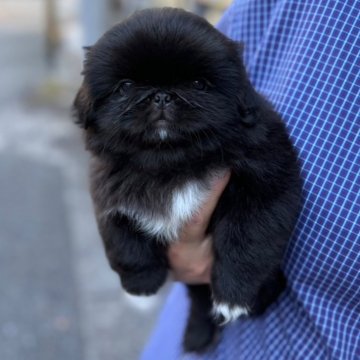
<point>125,87</point>
<point>199,85</point>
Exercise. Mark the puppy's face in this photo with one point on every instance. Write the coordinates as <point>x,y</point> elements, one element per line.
<point>161,77</point>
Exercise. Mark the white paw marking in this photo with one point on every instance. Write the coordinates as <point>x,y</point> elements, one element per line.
<point>229,313</point>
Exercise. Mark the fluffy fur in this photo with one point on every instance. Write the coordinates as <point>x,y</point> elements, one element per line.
<point>166,106</point>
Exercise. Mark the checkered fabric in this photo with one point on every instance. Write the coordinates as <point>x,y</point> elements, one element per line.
<point>303,56</point>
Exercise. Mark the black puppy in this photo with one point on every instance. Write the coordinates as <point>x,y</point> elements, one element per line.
<point>166,106</point>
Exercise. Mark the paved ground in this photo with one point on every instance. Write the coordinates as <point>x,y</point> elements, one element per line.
<point>58,298</point>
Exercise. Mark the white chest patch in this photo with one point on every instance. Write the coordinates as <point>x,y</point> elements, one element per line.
<point>185,202</point>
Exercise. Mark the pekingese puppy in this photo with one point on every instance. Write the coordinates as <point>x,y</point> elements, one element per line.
<point>166,106</point>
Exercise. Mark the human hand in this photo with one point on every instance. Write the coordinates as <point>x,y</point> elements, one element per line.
<point>191,257</point>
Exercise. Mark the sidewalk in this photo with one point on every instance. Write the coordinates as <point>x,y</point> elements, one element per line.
<point>59,299</point>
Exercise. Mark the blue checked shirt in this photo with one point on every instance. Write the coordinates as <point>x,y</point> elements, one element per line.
<point>303,56</point>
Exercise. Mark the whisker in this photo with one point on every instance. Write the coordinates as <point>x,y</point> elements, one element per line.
<point>186,100</point>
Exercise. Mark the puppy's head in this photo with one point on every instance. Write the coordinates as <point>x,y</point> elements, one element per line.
<point>163,76</point>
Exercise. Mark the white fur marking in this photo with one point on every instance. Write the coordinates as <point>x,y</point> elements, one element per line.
<point>163,134</point>
<point>184,204</point>
<point>229,313</point>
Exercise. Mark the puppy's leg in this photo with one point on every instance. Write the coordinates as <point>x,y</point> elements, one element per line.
<point>248,244</point>
<point>139,259</point>
<point>200,329</point>
<point>269,292</point>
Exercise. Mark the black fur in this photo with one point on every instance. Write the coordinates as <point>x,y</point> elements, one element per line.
<point>169,69</point>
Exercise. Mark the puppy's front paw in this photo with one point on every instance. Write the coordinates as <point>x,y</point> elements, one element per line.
<point>224,312</point>
<point>145,282</point>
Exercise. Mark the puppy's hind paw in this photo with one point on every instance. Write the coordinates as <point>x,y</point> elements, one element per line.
<point>225,313</point>
<point>199,336</point>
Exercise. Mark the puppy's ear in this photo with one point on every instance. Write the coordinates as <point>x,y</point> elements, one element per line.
<point>83,107</point>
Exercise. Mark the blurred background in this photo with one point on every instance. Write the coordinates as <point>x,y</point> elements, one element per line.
<point>58,297</point>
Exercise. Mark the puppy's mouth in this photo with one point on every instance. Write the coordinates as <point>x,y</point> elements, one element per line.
<point>161,124</point>
<point>161,130</point>
<point>162,127</point>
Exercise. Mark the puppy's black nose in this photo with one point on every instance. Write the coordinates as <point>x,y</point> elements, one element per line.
<point>162,99</point>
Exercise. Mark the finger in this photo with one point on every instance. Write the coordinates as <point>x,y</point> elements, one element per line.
<point>195,229</point>
<point>191,263</point>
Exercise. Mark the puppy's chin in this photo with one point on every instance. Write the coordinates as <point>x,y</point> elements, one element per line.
<point>155,136</point>
<point>162,133</point>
